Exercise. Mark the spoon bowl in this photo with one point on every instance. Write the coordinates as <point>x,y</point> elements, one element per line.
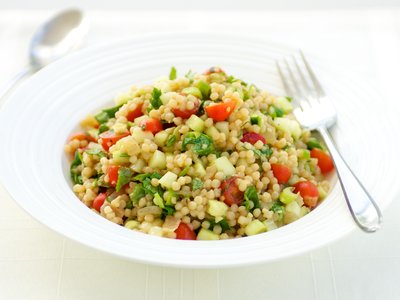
<point>60,35</point>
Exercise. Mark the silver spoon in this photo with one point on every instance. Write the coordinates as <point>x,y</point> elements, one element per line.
<point>59,36</point>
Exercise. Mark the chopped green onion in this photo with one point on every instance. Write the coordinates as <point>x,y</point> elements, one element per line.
<point>313,143</point>
<point>255,120</point>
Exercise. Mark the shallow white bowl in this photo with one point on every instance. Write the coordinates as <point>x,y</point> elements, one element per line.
<point>38,118</point>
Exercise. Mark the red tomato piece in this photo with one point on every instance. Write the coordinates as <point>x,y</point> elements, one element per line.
<point>220,111</point>
<point>98,201</point>
<point>281,173</point>
<point>308,191</point>
<point>112,173</point>
<point>152,125</point>
<point>109,138</point>
<point>186,113</point>
<point>137,112</point>
<point>231,192</point>
<point>185,232</point>
<point>213,70</point>
<point>81,136</point>
<point>325,162</point>
<point>252,138</point>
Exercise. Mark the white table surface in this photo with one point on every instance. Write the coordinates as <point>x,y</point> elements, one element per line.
<point>36,263</point>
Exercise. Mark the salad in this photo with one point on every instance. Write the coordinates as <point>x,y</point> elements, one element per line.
<point>204,156</point>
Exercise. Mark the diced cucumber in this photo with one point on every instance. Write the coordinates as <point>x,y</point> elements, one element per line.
<point>217,208</point>
<point>204,88</point>
<point>217,77</point>
<point>207,235</point>
<point>255,227</point>
<point>157,200</point>
<point>138,165</point>
<point>160,138</point>
<point>322,192</point>
<point>292,212</point>
<point>120,157</point>
<point>199,170</point>
<point>223,127</point>
<point>195,123</point>
<point>284,104</point>
<point>158,160</point>
<point>287,196</point>
<point>166,97</point>
<point>270,224</point>
<point>289,126</point>
<point>167,180</point>
<point>193,91</point>
<point>225,166</point>
<point>212,132</point>
<point>123,98</point>
<point>304,210</point>
<point>131,224</point>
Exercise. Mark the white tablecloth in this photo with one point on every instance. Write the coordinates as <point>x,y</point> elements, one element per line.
<point>36,263</point>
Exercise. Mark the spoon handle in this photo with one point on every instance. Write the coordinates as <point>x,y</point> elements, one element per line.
<point>9,84</point>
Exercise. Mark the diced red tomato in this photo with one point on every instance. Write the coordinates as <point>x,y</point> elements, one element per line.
<point>231,192</point>
<point>220,111</point>
<point>112,173</point>
<point>252,138</point>
<point>308,191</point>
<point>325,162</point>
<point>185,114</point>
<point>81,136</point>
<point>98,201</point>
<point>152,125</point>
<point>213,70</point>
<point>109,138</point>
<point>185,232</point>
<point>137,112</point>
<point>281,173</point>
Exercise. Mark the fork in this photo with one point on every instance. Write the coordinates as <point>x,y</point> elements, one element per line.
<point>315,112</point>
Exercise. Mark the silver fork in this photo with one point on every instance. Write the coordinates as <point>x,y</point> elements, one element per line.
<point>315,112</point>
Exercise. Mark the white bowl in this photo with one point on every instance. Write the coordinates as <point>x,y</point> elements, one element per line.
<point>44,110</point>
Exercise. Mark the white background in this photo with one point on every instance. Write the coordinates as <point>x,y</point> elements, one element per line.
<point>36,263</point>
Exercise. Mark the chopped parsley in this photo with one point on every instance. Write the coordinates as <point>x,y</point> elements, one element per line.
<point>124,177</point>
<point>76,175</point>
<point>202,144</point>
<point>155,100</point>
<point>197,184</point>
<point>251,200</point>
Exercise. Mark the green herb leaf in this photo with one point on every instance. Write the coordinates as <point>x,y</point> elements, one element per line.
<point>279,209</point>
<point>275,112</point>
<point>74,172</point>
<point>202,144</point>
<point>155,100</point>
<point>107,114</point>
<point>313,143</point>
<point>142,177</point>
<point>150,189</point>
<point>255,120</point>
<point>158,200</point>
<point>103,128</point>
<point>223,223</point>
<point>168,211</point>
<point>184,171</point>
<point>102,117</point>
<point>124,177</point>
<point>172,74</point>
<point>171,140</point>
<point>96,152</point>
<point>138,193</point>
<point>251,200</point>
<point>290,99</point>
<point>190,75</point>
<point>264,153</point>
<point>197,184</point>
<point>205,89</point>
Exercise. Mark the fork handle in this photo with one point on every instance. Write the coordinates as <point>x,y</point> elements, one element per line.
<point>364,210</point>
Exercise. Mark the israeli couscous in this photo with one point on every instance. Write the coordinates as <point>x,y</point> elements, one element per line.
<point>204,156</point>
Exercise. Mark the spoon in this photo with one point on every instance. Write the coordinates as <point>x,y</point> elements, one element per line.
<point>59,36</point>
